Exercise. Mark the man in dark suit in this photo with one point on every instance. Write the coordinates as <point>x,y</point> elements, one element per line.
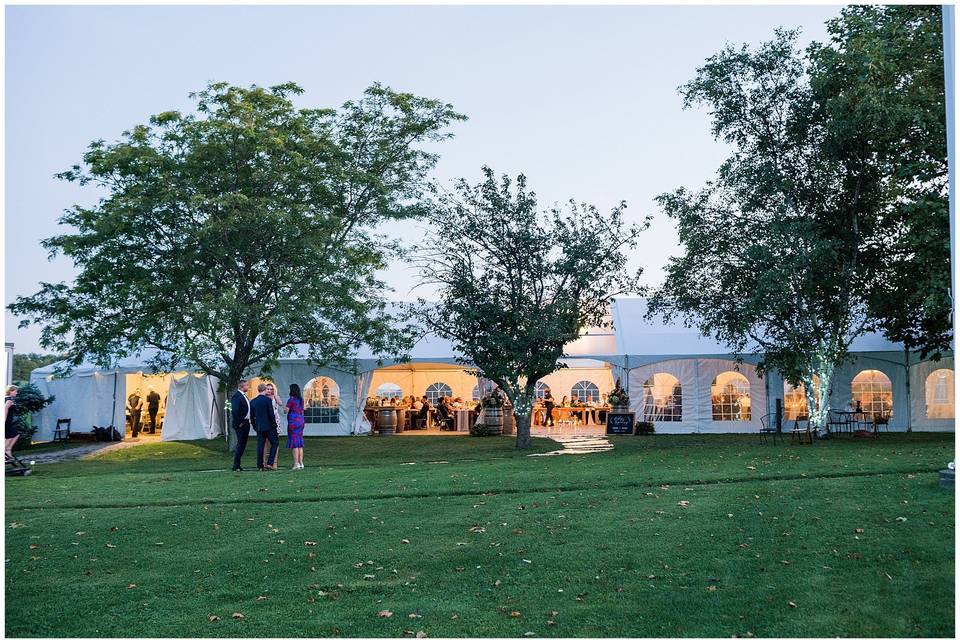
<point>240,410</point>
<point>265,424</point>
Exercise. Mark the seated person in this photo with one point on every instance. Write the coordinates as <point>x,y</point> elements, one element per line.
<point>421,420</point>
<point>443,414</point>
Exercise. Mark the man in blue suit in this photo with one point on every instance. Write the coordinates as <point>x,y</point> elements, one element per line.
<point>265,424</point>
<point>240,410</point>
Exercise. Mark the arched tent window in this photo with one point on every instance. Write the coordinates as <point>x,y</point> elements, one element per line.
<point>662,399</point>
<point>482,388</point>
<point>730,396</point>
<point>585,391</point>
<point>795,400</point>
<point>321,399</point>
<point>438,389</point>
<point>389,390</point>
<point>873,391</point>
<point>540,389</point>
<point>939,392</point>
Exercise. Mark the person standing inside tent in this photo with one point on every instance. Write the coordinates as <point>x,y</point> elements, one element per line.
<point>548,406</point>
<point>264,420</point>
<point>153,407</point>
<point>135,405</point>
<point>295,425</point>
<point>240,421</point>
<point>9,426</point>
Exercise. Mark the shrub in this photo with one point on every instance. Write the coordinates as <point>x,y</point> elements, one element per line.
<point>479,430</point>
<point>644,428</point>
<point>28,401</point>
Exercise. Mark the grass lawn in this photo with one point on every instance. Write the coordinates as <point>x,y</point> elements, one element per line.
<point>663,536</point>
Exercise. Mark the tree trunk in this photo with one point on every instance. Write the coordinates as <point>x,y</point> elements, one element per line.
<point>522,410</point>
<point>818,400</point>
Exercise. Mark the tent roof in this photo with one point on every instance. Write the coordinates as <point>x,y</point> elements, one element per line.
<point>632,335</point>
<point>637,336</point>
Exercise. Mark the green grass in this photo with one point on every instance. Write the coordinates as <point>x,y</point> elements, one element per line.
<point>596,545</point>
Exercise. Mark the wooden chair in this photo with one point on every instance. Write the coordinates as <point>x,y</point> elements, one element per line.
<point>768,426</point>
<point>62,430</point>
<point>801,429</point>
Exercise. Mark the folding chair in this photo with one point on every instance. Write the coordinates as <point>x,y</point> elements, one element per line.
<point>799,431</point>
<point>62,430</point>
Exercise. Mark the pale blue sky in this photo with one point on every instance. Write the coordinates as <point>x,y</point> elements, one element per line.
<point>581,99</point>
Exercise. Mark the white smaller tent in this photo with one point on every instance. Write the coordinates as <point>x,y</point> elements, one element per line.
<point>90,396</point>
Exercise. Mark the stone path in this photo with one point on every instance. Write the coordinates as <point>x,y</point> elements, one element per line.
<point>84,451</point>
<point>573,445</point>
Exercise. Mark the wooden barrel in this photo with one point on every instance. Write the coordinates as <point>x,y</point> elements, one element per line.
<point>493,418</point>
<point>387,420</point>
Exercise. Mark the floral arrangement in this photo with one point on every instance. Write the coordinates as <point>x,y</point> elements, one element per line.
<point>493,400</point>
<point>618,397</point>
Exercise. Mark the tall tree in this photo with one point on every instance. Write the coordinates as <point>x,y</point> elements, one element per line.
<point>517,284</point>
<point>229,237</point>
<point>774,248</point>
<point>881,78</point>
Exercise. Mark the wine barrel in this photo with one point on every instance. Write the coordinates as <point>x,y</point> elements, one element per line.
<point>387,420</point>
<point>493,418</point>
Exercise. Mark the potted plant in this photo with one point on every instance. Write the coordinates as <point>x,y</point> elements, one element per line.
<point>644,428</point>
<point>618,399</point>
<point>28,401</point>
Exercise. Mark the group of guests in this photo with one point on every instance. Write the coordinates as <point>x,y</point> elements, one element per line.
<point>263,414</point>
<point>547,405</point>
<point>443,409</point>
<point>135,407</point>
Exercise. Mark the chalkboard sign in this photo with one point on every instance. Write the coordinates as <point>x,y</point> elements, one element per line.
<point>620,424</point>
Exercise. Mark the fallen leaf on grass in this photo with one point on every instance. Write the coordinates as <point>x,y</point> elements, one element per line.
<point>414,616</point>
<point>497,583</point>
<point>792,605</point>
<point>889,577</point>
<point>421,634</point>
<point>309,543</point>
<point>34,546</point>
<point>111,546</point>
<point>385,614</point>
<point>515,614</point>
<point>213,618</point>
<point>901,519</point>
<point>261,597</point>
<point>752,468</point>
<point>238,616</point>
<point>455,616</point>
<point>477,529</point>
<point>858,530</point>
<point>684,503</point>
<point>404,541</point>
<point>369,576</point>
<point>550,623</point>
<point>131,586</point>
<point>712,587</point>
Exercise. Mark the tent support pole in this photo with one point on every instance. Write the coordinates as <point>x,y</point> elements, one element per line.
<point>113,413</point>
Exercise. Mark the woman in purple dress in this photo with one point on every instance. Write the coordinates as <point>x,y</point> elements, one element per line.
<point>295,425</point>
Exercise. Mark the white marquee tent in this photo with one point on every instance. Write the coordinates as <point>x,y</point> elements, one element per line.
<point>685,382</point>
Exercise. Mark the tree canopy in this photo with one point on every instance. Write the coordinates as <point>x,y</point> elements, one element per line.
<point>881,80</point>
<point>774,247</point>
<point>234,235</point>
<point>517,284</point>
